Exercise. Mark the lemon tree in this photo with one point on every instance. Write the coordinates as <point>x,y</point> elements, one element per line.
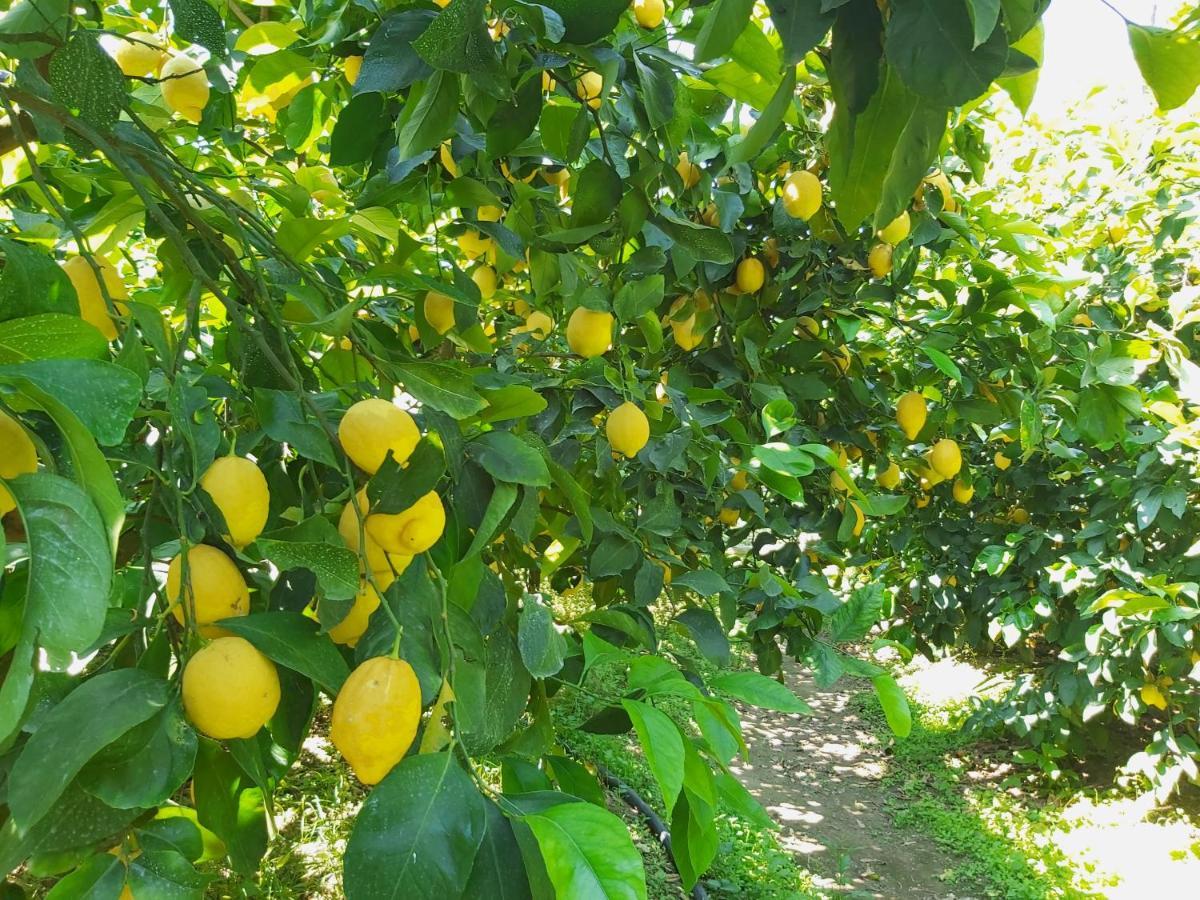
<point>445,360</point>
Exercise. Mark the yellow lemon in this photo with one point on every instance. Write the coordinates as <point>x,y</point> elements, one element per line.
<point>547,87</point>
<point>184,86</point>
<point>439,311</point>
<point>686,335</point>
<point>1019,515</point>
<point>910,414</point>
<point>590,88</point>
<point>92,308</point>
<point>411,531</point>
<point>485,279</point>
<point>489,213</point>
<point>218,590</point>
<point>1152,696</point>
<point>379,561</point>
<point>18,456</point>
<point>351,67</point>
<point>808,328</point>
<point>538,324</point>
<point>729,516</point>
<point>375,716</point>
<point>447,158</point>
<point>230,690</point>
<point>474,245</point>
<point>740,480</point>
<point>859,519</point>
<point>1116,230</point>
<point>896,230</point>
<point>946,458</point>
<point>628,429</point>
<point>879,260</point>
<point>802,195</point>
<point>688,171</point>
<point>589,332</point>
<point>354,626</point>
<point>649,13</point>
<point>1002,461</point>
<point>889,477</point>
<point>750,275</point>
<point>922,501</point>
<point>239,490</point>
<point>140,54</point>
<point>373,427</point>
<point>835,477</point>
<point>963,492</point>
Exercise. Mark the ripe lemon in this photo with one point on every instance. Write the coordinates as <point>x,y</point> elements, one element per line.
<point>218,590</point>
<point>688,171</point>
<point>351,628</point>
<point>1002,461</point>
<point>351,67</point>
<point>184,85</point>
<point>879,260</point>
<point>1116,230</point>
<point>922,501</point>
<point>910,414</point>
<point>963,492</point>
<point>538,324</point>
<point>590,88</point>
<point>859,519</point>
<point>439,311</point>
<point>140,54</point>
<point>945,458</point>
<point>628,429</point>
<point>802,195</point>
<point>380,561</point>
<point>589,332</point>
<point>375,716</point>
<point>649,13</point>
<point>750,275</point>
<point>896,230</point>
<point>889,477</point>
<point>1019,516</point>
<point>1152,696</point>
<point>939,180</point>
<point>740,480</point>
<point>485,279</point>
<point>230,690</point>
<point>92,308</point>
<point>835,477</point>
<point>808,328</point>
<point>729,516</point>
<point>412,531</point>
<point>521,308</point>
<point>239,490</point>
<point>18,456</point>
<point>474,245</point>
<point>686,335</point>
<point>446,155</point>
<point>489,213</point>
<point>373,427</point>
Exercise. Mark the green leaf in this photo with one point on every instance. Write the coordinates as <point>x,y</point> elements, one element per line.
<point>854,55</point>
<point>784,459</point>
<point>394,489</point>
<point>428,116</point>
<point>984,16</point>
<point>358,129</point>
<point>894,703</point>
<point>759,690</point>
<point>49,336</point>
<point>31,282</point>
<point>295,641</point>
<point>703,243</point>
<point>499,871</point>
<point>444,387</point>
<point>87,81</point>
<point>166,873</point>
<point>314,545</point>
<point>512,123</point>
<point>70,569</point>
<point>854,618</point>
<point>542,646</point>
<point>101,876</point>
<point>506,457</point>
<point>103,395</point>
<point>492,694</point>
<point>931,44</point>
<point>390,63</point>
<point>516,401</point>
<point>915,149</point>
<point>708,634</point>
<point>945,364</point>
<point>662,745</point>
<point>587,852</point>
<point>597,192</point>
<point>195,22</point>
<point>586,21</point>
<point>47,18</point>
<point>417,833</point>
<point>93,715</point>
<point>1169,61</point>
<point>1021,88</point>
<point>658,88</point>
<point>704,582</point>
<point>636,298</point>
<point>285,419</point>
<point>458,40</point>
<point>801,24</point>
<point>725,21</point>
<point>748,148</point>
<point>230,805</point>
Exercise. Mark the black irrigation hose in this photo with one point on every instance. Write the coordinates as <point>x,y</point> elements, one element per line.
<point>657,827</point>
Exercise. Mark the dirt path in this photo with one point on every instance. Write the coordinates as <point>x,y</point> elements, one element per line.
<point>820,777</point>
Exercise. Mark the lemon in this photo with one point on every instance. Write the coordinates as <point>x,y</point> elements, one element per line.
<point>1019,516</point>
<point>412,531</point>
<point>1152,696</point>
<point>474,245</point>
<point>539,325</point>
<point>879,260</point>
<point>802,195</point>
<point>1002,461</point>
<point>351,628</point>
<point>860,520</point>
<point>922,501</point>
<point>374,427</point>
<point>239,490</point>
<point>485,279</point>
<point>910,414</point>
<point>740,480</point>
<point>589,332</point>
<point>140,54</point>
<point>649,13</point>
<point>92,308</point>
<point>230,690</point>
<point>18,456</point>
<point>963,492</point>
<point>945,458</point>
<point>590,88</point>
<point>439,311</point>
<point>889,477</point>
<point>547,87</point>
<point>375,716</point>
<point>896,230</point>
<point>686,335</point>
<point>835,477</point>
<point>218,590</point>
<point>729,516</point>
<point>750,275</point>
<point>351,66</point>
<point>688,171</point>
<point>379,561</point>
<point>808,327</point>
<point>1116,230</point>
<point>628,429</point>
<point>489,213</point>
<point>447,158</point>
<point>436,735</point>
<point>939,180</point>
<point>184,85</point>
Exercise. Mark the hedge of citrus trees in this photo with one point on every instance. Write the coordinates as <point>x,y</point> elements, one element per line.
<point>350,350</point>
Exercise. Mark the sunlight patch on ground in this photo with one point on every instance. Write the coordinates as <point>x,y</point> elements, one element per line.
<point>947,682</point>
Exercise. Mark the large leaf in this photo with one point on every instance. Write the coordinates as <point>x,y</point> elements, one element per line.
<point>458,40</point>
<point>1021,88</point>
<point>758,690</point>
<point>196,22</point>
<point>94,714</point>
<point>31,282</point>
<point>748,148</point>
<point>103,396</point>
<point>499,871</point>
<point>506,457</point>
<point>894,703</point>
<point>801,24</point>
<point>444,387</point>
<point>428,116</point>
<point>314,545</point>
<point>662,745</point>
<point>295,641</point>
<point>542,647</point>
<point>390,63</point>
<point>357,131</point>
<point>723,24</point>
<point>1169,61</point>
<point>854,618</point>
<point>587,853</point>
<point>50,336</point>
<point>87,81</point>
<point>417,834</point>
<point>931,44</point>
<point>585,21</point>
